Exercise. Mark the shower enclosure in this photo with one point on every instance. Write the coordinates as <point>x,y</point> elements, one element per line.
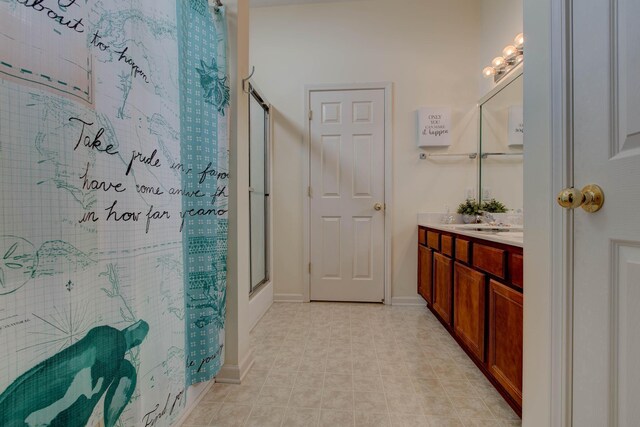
<point>259,202</point>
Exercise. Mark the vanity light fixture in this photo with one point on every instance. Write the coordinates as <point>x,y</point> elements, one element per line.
<point>512,55</point>
<point>488,71</point>
<point>519,41</point>
<point>509,52</point>
<point>498,62</point>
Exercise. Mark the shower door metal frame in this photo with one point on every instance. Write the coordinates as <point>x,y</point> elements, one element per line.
<point>254,93</point>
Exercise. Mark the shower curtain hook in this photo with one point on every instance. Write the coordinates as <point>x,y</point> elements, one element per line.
<point>245,80</point>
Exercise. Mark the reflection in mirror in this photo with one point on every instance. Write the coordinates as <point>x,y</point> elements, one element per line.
<point>501,149</point>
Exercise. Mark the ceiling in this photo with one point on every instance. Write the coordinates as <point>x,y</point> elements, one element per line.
<point>267,3</point>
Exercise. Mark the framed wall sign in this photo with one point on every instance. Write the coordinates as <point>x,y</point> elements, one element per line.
<point>516,126</point>
<point>434,127</point>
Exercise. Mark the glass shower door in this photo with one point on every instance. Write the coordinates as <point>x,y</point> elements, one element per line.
<point>258,188</point>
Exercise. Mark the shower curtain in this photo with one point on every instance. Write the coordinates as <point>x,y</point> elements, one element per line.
<point>113,208</point>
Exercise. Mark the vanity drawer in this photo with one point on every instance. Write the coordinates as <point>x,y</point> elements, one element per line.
<point>462,250</point>
<point>446,245</point>
<point>422,236</point>
<point>516,270</point>
<point>433,240</point>
<point>489,259</point>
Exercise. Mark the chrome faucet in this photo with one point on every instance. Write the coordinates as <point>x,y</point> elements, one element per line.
<point>485,217</point>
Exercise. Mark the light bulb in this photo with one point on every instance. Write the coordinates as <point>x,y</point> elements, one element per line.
<point>509,51</point>
<point>519,41</point>
<point>497,62</point>
<point>488,71</point>
<point>519,58</point>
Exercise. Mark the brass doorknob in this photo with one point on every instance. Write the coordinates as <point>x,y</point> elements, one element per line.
<point>377,206</point>
<point>591,198</point>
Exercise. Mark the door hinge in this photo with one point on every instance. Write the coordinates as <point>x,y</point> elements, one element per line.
<point>309,191</point>
<point>310,115</point>
<point>309,268</point>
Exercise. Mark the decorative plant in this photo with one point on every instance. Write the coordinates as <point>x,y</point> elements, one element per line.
<point>469,207</point>
<point>494,206</point>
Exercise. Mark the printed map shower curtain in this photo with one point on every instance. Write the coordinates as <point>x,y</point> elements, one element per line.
<point>113,208</point>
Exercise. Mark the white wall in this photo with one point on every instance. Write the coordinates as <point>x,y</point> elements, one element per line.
<point>427,48</point>
<point>501,21</point>
<point>542,386</point>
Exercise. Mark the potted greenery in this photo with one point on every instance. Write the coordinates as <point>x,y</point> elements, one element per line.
<point>494,206</point>
<point>470,211</point>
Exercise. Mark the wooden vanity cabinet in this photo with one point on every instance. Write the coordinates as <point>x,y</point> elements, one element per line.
<point>515,266</point>
<point>505,338</point>
<point>463,250</point>
<point>433,240</point>
<point>490,259</point>
<point>442,272</point>
<point>469,308</point>
<point>425,273</point>
<point>474,287</point>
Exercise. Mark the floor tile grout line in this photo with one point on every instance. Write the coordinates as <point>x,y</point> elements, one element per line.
<point>253,405</point>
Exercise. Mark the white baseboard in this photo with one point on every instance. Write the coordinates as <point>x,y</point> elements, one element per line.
<point>234,374</point>
<point>201,390</point>
<point>288,298</point>
<point>416,301</point>
<point>259,303</point>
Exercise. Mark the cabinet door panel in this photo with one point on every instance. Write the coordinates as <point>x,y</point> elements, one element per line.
<point>505,338</point>
<point>442,286</point>
<point>425,273</point>
<point>469,307</point>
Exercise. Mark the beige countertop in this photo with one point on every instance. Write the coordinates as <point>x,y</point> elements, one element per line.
<point>513,238</point>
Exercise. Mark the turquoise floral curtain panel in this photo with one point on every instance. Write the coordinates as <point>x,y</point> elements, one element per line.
<point>202,119</point>
<point>113,209</point>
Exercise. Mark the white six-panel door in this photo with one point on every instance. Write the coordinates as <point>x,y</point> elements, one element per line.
<point>606,322</point>
<point>346,167</point>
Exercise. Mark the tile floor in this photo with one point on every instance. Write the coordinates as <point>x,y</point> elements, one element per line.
<point>326,364</point>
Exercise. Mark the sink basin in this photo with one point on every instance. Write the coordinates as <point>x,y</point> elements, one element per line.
<point>515,234</point>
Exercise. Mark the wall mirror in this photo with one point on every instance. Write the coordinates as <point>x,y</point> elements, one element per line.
<point>501,144</point>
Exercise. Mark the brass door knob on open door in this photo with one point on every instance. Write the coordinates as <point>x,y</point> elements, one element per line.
<point>377,206</point>
<point>591,198</point>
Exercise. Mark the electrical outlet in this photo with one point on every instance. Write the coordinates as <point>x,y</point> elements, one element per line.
<point>486,193</point>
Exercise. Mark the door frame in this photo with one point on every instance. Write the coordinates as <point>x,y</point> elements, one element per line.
<point>548,250</point>
<point>388,187</point>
